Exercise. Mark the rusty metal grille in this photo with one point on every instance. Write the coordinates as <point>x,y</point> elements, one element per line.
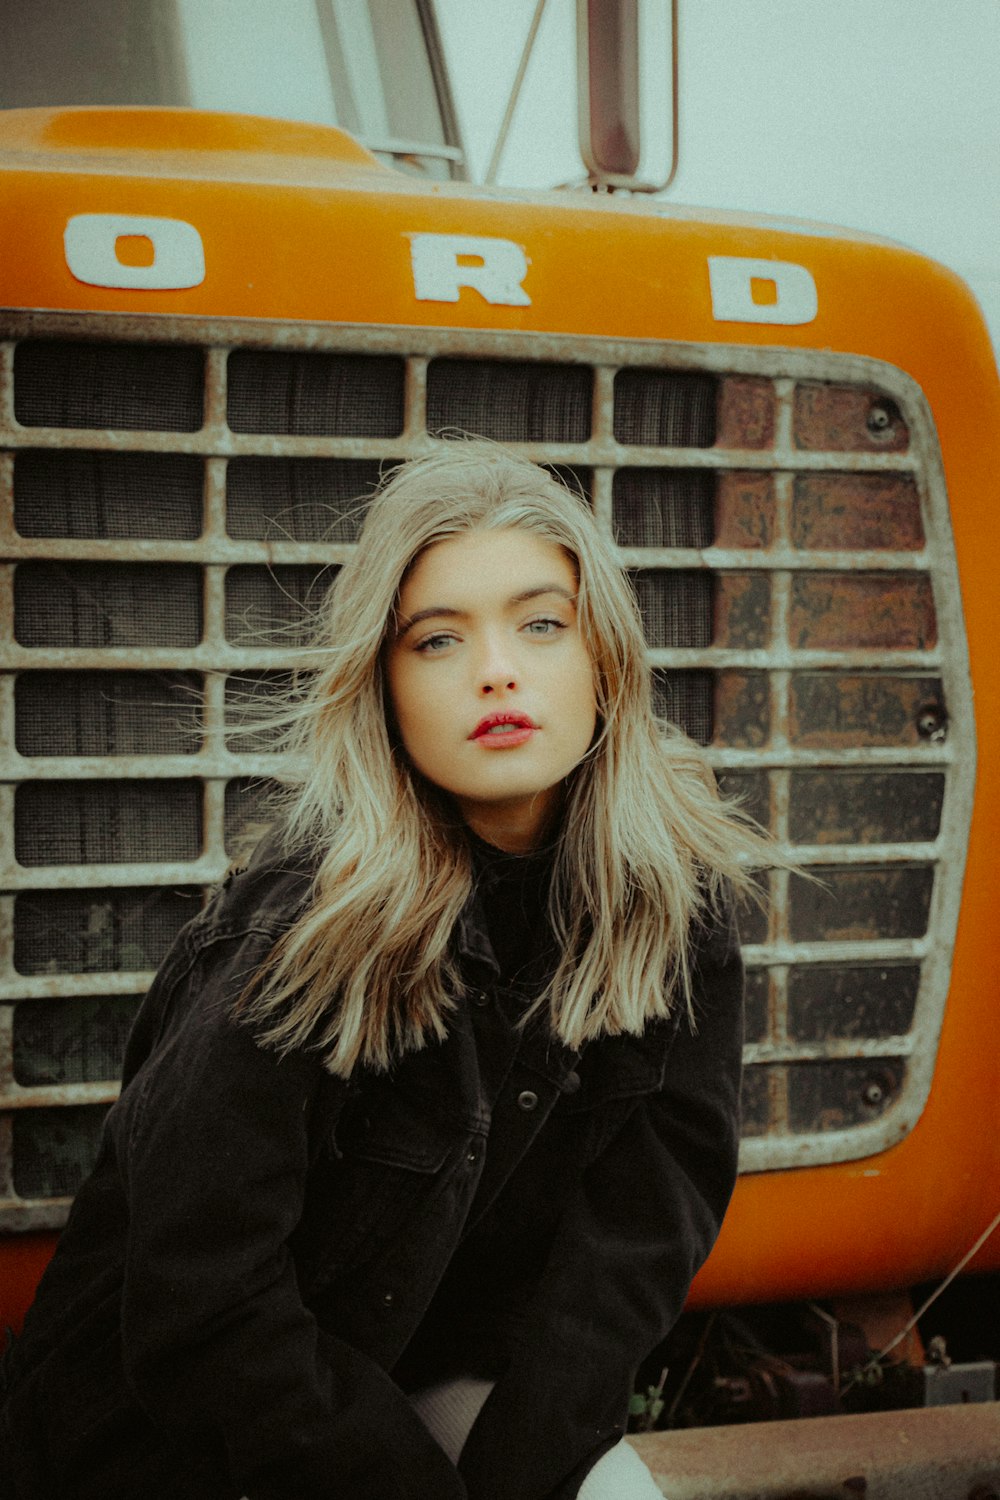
<point>177,495</point>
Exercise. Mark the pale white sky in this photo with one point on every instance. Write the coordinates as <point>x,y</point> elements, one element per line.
<point>878,114</point>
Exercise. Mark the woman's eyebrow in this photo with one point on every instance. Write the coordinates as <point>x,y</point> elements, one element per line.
<point>448,612</point>
<point>543,588</point>
<point>433,611</point>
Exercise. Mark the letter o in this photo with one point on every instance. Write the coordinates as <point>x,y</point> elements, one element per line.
<point>90,242</point>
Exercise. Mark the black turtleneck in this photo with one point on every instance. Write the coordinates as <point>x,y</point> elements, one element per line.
<point>461,1331</point>
<point>512,892</point>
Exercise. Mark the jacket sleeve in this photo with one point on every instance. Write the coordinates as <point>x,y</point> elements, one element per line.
<point>213,1140</point>
<point>642,1220</point>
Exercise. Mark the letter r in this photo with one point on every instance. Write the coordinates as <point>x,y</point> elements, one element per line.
<point>438,275</point>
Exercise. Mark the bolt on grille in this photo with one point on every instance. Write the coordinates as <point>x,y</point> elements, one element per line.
<point>174,510</point>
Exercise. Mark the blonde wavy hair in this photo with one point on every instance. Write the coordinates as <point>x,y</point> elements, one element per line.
<point>367,972</point>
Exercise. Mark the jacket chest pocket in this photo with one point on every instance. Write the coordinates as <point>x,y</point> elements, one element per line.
<point>615,1075</point>
<point>385,1157</point>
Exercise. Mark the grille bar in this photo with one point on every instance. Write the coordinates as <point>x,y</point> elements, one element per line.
<point>58,768</point>
<point>243,658</point>
<point>204,871</point>
<point>208,869</point>
<point>776,1052</point>
<point>225,551</point>
<point>57,986</point>
<point>789,494</point>
<point>46,1097</point>
<point>606,453</point>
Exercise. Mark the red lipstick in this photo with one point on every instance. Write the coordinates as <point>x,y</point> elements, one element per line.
<point>503,730</point>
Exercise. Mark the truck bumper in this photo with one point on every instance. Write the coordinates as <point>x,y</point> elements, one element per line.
<point>929,1453</point>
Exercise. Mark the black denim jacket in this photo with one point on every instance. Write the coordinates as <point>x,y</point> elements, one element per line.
<point>259,1242</point>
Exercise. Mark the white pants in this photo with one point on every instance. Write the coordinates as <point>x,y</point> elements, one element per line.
<point>450,1409</point>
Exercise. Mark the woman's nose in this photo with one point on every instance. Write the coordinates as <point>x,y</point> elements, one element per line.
<point>495,668</point>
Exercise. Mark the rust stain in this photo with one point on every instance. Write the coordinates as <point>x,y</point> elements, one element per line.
<point>861,904</point>
<point>742,710</point>
<point>742,611</point>
<point>859,512</point>
<point>838,1095</point>
<point>746,416</point>
<point>755,1102</point>
<point>864,807</point>
<point>744,510</point>
<point>752,790</point>
<point>853,1001</point>
<point>838,710</point>
<point>838,611</point>
<point>847,419</point>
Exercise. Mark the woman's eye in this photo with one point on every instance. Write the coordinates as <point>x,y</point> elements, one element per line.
<point>544,627</point>
<point>431,644</point>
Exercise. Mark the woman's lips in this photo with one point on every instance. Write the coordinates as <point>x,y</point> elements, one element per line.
<point>503,731</point>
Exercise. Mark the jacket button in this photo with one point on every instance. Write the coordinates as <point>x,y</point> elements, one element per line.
<point>388,1299</point>
<point>480,998</point>
<point>527,1100</point>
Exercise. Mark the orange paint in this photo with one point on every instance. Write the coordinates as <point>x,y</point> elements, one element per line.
<point>135,250</point>
<point>23,1258</point>
<point>763,292</point>
<point>300,223</point>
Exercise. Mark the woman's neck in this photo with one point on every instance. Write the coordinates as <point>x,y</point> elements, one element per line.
<point>516,828</point>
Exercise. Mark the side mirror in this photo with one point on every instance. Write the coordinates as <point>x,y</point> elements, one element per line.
<point>627,92</point>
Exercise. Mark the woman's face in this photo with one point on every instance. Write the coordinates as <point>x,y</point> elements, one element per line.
<point>490,679</point>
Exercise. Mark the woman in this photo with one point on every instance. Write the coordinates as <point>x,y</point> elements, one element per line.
<point>431,1116</point>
